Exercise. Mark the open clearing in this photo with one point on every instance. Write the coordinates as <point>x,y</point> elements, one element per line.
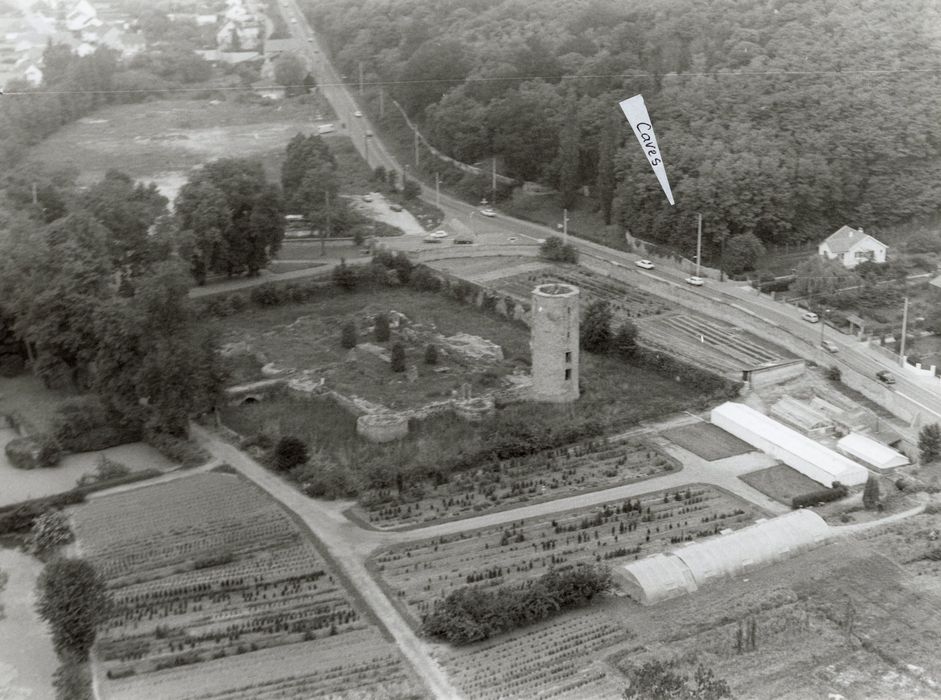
<point>780,482</point>
<point>707,441</point>
<point>179,135</point>
<point>219,591</point>
<point>419,573</point>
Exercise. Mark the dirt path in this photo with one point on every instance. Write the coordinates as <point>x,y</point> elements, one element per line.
<point>338,534</point>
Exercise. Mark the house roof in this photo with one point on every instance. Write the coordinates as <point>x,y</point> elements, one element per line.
<point>845,238</point>
<point>871,451</point>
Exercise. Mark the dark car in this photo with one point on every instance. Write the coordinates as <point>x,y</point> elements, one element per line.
<point>885,377</point>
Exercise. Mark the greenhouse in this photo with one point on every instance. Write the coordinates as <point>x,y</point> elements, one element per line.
<point>877,455</point>
<point>798,451</point>
<point>685,569</point>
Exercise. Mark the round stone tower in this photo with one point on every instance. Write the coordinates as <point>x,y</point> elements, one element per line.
<point>554,343</point>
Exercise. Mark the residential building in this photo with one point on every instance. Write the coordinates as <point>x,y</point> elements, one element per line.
<point>852,246</point>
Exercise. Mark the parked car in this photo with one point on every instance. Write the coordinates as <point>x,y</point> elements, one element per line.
<point>810,317</point>
<point>439,234</point>
<point>885,377</point>
<point>357,113</point>
<point>829,346</point>
<point>488,212</point>
<point>367,198</point>
<point>395,207</point>
<point>646,264</point>
<point>695,281</point>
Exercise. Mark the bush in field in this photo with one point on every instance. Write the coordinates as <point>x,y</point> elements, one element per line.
<point>411,189</point>
<point>348,335</point>
<point>345,277</point>
<point>834,374</point>
<point>871,494</point>
<point>596,327</point>
<point>267,294</point>
<point>656,680</point>
<point>381,331</point>
<point>50,530</point>
<point>398,357</point>
<point>33,452</point>
<point>424,280</point>
<point>178,450</point>
<point>929,443</point>
<point>555,250</point>
<point>290,452</point>
<point>379,174</point>
<point>108,469</point>
<point>470,614</point>
<point>74,601</point>
<point>624,342</point>
<point>403,267</point>
<point>19,518</point>
<point>431,354</point>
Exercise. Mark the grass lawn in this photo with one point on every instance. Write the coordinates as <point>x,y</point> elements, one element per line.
<point>781,482</point>
<point>707,441</point>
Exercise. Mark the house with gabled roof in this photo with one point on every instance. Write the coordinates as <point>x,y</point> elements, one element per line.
<point>852,246</point>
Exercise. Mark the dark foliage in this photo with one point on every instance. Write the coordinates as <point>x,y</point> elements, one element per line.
<point>470,614</point>
<point>348,335</point>
<point>398,357</point>
<point>290,452</point>
<point>929,443</point>
<point>596,327</point>
<point>555,250</point>
<point>74,601</point>
<point>381,331</point>
<point>835,493</point>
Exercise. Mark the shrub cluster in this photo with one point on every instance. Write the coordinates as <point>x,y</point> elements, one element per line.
<point>555,250</point>
<point>178,450</point>
<point>470,615</point>
<point>83,424</point>
<point>835,493</point>
<point>18,518</point>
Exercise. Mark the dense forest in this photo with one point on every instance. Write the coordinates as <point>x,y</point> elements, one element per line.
<point>783,118</point>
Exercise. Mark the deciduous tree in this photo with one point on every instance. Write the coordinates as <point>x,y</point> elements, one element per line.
<point>929,443</point>
<point>74,601</point>
<point>596,327</point>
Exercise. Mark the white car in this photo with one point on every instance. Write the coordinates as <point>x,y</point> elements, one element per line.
<point>293,21</point>
<point>357,113</point>
<point>367,198</point>
<point>646,264</point>
<point>488,212</point>
<point>810,317</point>
<point>695,281</point>
<point>439,234</point>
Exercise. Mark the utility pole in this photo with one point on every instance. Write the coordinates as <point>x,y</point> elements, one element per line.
<point>437,191</point>
<point>698,244</point>
<point>35,199</point>
<point>360,77</point>
<point>326,230</point>
<point>565,226</point>
<point>382,102</point>
<point>493,181</point>
<point>904,333</point>
<point>416,148</point>
<point>366,147</point>
<point>823,324</point>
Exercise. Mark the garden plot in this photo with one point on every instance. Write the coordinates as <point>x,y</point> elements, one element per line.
<point>553,659</point>
<point>418,574</point>
<point>556,473</point>
<point>207,569</point>
<point>626,301</point>
<point>707,441</point>
<point>780,482</point>
<point>716,343</point>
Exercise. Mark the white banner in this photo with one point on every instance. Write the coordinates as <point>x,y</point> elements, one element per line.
<point>636,112</point>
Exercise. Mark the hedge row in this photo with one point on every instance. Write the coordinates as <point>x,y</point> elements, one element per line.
<point>813,498</point>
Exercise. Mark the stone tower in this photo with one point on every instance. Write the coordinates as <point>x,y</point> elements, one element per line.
<point>554,343</point>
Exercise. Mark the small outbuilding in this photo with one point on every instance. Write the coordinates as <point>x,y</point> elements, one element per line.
<point>872,452</point>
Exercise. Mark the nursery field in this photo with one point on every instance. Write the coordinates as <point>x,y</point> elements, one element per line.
<point>557,658</point>
<point>550,474</point>
<point>218,592</point>
<point>626,301</point>
<point>419,573</point>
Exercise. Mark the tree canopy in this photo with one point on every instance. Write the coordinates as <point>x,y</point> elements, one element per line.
<point>74,601</point>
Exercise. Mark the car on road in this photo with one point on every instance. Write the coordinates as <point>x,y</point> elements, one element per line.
<point>293,20</point>
<point>488,212</point>
<point>395,207</point>
<point>829,346</point>
<point>885,376</point>
<point>646,264</point>
<point>810,317</point>
<point>432,239</point>
<point>439,234</point>
<point>512,239</point>
<point>357,113</point>
<point>367,198</point>
<point>695,281</point>
<point>368,133</point>
<point>310,40</point>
